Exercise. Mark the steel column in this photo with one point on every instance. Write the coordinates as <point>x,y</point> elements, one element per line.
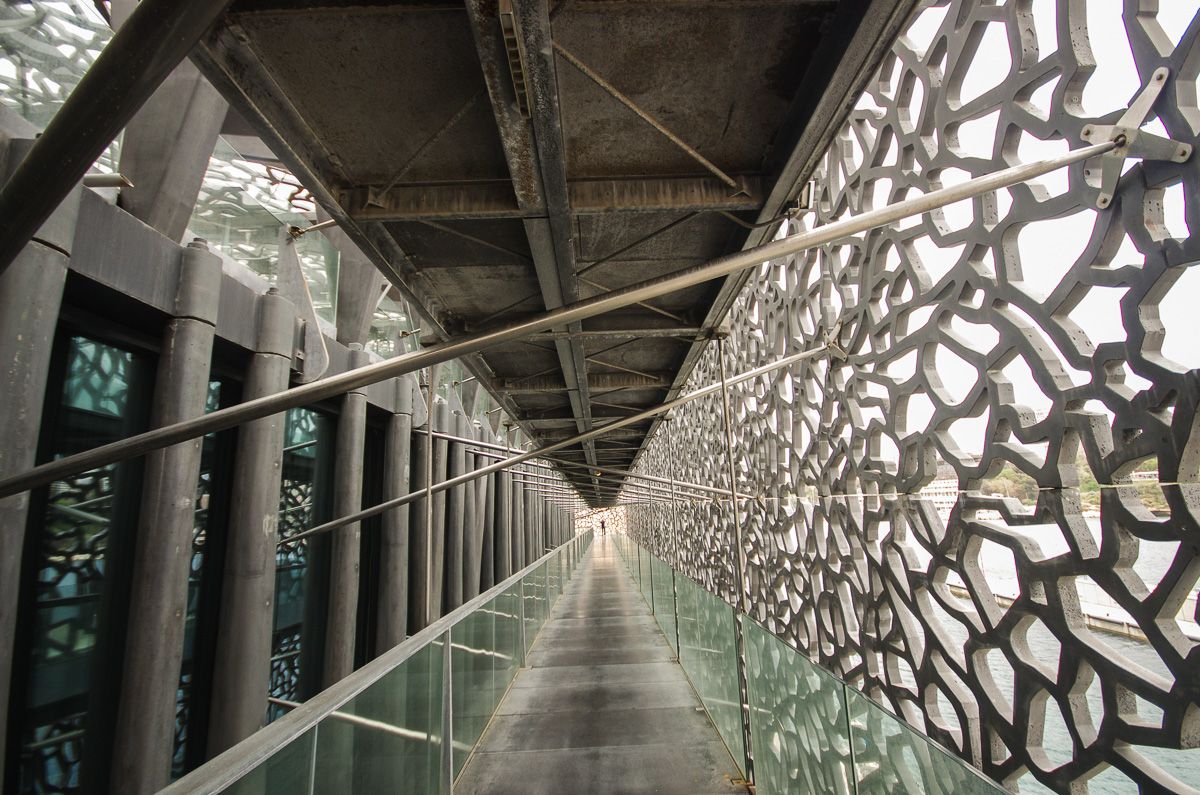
<point>504,519</point>
<point>439,575</point>
<point>421,521</point>
<point>145,733</point>
<point>474,532</point>
<point>30,298</point>
<point>487,564</point>
<point>243,655</point>
<point>456,516</point>
<point>518,524</point>
<point>342,608</point>
<point>167,146</point>
<point>391,623</point>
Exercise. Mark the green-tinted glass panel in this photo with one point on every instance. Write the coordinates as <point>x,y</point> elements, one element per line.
<point>645,561</point>
<point>890,757</point>
<point>509,653</point>
<point>472,666</point>
<point>287,772</point>
<point>554,567</point>
<point>387,738</point>
<point>664,600</point>
<point>797,719</point>
<point>535,604</point>
<point>708,653</point>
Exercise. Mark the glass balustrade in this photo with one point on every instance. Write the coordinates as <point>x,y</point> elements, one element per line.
<point>810,732</point>
<point>386,723</point>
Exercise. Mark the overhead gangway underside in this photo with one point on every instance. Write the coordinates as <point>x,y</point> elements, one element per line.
<point>497,159</point>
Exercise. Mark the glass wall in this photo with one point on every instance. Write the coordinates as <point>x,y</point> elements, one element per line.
<point>77,556</point>
<point>300,568</point>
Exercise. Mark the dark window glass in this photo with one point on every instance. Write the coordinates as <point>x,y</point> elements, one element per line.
<point>80,529</point>
<point>300,567</point>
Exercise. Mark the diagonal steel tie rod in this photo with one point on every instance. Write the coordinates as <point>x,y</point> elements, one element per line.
<point>258,408</point>
<point>466,477</point>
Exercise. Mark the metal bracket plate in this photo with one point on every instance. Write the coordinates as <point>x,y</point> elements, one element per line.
<point>1134,142</point>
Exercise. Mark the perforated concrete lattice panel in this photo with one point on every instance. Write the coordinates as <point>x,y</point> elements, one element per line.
<point>985,516</point>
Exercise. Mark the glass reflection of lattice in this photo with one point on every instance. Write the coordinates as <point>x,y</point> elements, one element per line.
<point>45,48</point>
<point>305,435</point>
<point>244,209</point>
<point>392,329</point>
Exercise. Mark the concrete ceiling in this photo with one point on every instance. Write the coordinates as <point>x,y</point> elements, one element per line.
<point>490,182</point>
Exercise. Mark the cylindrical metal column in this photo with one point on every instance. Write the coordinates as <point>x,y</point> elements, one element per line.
<point>518,520</point>
<point>456,501</point>
<point>420,524</point>
<point>504,515</point>
<point>30,295</point>
<point>470,552</point>
<point>342,610</point>
<point>441,454</point>
<point>391,622</point>
<point>473,528</point>
<point>243,656</point>
<point>145,733</point>
<point>487,563</point>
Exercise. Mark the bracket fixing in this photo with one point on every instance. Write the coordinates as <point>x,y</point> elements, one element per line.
<point>1132,141</point>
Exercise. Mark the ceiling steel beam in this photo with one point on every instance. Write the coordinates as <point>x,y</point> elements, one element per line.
<point>532,386</point>
<point>621,334</point>
<point>253,89</point>
<point>484,200</point>
<point>537,163</point>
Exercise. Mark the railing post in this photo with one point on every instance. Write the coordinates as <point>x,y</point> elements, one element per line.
<point>521,612</point>
<point>850,740</point>
<point>741,603</point>
<point>674,529</point>
<point>447,714</point>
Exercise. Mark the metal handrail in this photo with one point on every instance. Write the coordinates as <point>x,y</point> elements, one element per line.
<point>333,386</point>
<point>230,766</point>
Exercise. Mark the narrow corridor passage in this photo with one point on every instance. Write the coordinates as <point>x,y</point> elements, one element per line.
<point>603,707</point>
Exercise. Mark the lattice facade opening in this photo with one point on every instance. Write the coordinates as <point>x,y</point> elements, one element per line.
<point>987,514</point>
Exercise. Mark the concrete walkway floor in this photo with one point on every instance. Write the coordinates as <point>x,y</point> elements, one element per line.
<point>603,706</point>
